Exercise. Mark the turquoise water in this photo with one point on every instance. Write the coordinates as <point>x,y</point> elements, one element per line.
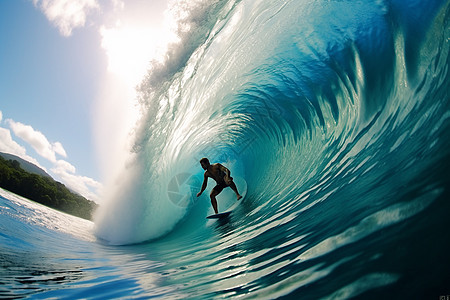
<point>333,117</point>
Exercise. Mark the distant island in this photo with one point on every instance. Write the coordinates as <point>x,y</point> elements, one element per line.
<point>26,165</point>
<point>40,187</point>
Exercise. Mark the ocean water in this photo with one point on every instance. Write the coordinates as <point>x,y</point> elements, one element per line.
<point>334,119</point>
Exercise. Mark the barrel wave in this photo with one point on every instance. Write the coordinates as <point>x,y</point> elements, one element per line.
<point>334,115</point>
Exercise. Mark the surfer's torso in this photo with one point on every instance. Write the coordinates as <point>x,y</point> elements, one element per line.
<point>215,172</point>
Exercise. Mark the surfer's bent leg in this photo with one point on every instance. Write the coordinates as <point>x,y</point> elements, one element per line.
<point>234,188</point>
<point>213,195</point>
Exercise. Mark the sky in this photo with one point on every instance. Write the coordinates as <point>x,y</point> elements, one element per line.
<point>68,72</point>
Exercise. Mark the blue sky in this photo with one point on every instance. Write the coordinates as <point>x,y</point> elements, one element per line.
<point>68,69</point>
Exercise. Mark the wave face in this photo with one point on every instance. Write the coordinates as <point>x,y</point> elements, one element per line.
<point>334,114</point>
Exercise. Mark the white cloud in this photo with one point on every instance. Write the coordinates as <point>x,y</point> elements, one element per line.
<point>118,4</point>
<point>83,185</point>
<point>64,167</point>
<point>1,115</point>
<point>64,171</point>
<point>66,14</point>
<point>37,140</point>
<point>59,149</point>
<point>8,145</point>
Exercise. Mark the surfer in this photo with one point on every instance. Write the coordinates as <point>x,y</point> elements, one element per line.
<point>222,177</point>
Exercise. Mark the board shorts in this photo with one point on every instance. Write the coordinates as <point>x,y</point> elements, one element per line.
<point>220,186</point>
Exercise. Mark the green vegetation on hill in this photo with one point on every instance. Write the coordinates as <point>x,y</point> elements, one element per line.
<point>43,190</point>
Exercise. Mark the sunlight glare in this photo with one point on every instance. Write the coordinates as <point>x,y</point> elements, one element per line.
<point>132,38</point>
<point>129,50</point>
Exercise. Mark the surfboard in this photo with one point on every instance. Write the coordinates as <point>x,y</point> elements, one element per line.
<point>219,216</point>
<point>227,199</point>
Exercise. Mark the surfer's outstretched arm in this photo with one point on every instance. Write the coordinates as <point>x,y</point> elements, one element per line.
<point>205,183</point>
